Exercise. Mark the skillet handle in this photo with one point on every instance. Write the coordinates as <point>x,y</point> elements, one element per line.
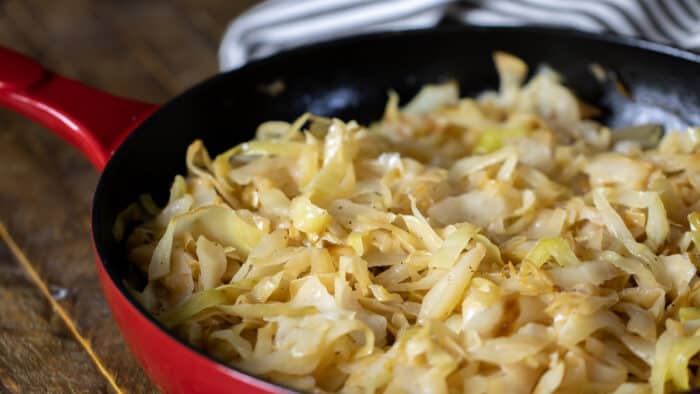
<point>94,121</point>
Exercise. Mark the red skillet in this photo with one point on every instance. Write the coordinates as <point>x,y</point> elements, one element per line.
<point>140,147</point>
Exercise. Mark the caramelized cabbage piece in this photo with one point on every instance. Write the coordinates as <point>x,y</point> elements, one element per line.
<point>498,244</point>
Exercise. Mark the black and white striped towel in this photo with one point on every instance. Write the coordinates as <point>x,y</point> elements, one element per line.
<point>279,24</point>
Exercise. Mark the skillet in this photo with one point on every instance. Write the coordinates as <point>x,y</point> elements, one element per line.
<point>140,147</point>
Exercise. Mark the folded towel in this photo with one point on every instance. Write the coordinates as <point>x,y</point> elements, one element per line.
<point>279,24</point>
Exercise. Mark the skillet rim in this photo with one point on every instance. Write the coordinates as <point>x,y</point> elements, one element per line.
<point>108,262</point>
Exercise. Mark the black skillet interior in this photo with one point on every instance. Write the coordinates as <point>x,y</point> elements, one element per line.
<point>349,79</point>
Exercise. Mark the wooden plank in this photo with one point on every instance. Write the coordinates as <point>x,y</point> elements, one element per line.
<point>37,353</point>
<point>150,50</point>
<point>171,52</point>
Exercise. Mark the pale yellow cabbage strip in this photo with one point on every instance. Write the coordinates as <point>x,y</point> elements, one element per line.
<point>556,248</point>
<point>446,256</point>
<point>442,298</point>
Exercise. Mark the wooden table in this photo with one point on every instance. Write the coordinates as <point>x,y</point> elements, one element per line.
<point>144,49</point>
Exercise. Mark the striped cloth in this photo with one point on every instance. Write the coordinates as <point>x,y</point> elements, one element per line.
<point>274,25</point>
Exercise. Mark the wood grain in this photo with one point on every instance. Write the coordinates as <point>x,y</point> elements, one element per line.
<point>33,343</point>
<point>150,50</point>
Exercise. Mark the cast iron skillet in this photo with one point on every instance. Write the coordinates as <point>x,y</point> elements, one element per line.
<point>347,79</point>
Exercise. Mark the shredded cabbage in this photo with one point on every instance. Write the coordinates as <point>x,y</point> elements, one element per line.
<point>493,139</point>
<point>556,248</point>
<point>503,243</point>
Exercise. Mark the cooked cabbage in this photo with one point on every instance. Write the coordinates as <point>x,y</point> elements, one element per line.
<point>498,244</point>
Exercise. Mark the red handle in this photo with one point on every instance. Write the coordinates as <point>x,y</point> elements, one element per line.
<point>94,121</point>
